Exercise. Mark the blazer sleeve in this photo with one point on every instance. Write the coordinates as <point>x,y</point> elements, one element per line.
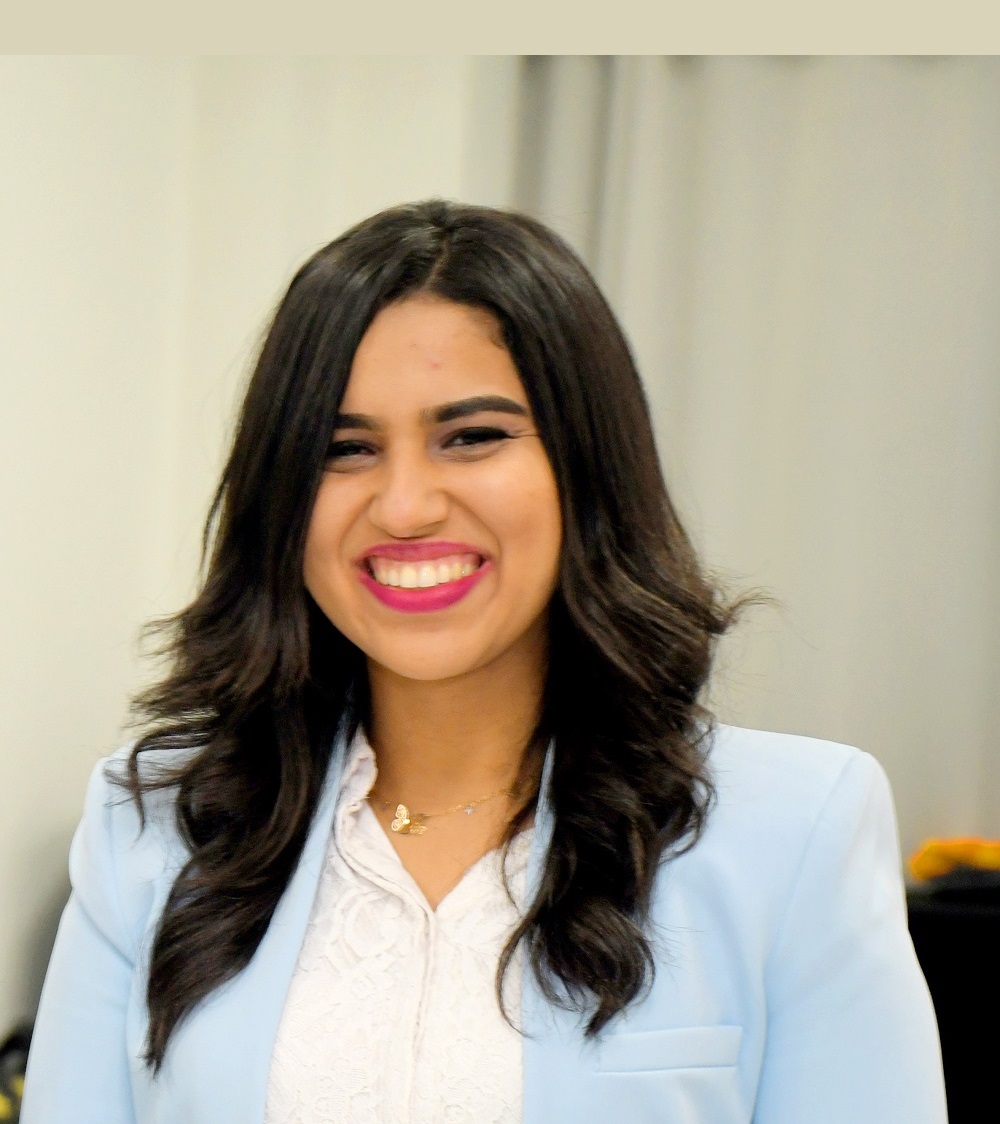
<point>851,1032</point>
<point>78,1066</point>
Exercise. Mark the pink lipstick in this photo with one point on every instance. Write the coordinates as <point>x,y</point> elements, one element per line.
<point>409,581</point>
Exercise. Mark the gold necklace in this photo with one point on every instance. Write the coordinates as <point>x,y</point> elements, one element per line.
<point>406,822</point>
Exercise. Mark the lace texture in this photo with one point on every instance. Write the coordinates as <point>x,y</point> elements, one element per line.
<point>391,1016</point>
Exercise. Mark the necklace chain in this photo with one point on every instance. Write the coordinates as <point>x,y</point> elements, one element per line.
<point>407,822</point>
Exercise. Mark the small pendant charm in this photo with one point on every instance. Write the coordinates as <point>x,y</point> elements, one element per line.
<point>469,809</point>
<point>407,822</point>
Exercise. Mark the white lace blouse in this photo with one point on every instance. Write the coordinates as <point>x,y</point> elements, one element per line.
<point>391,1016</point>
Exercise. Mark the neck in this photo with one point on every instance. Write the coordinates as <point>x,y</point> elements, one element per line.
<point>456,739</point>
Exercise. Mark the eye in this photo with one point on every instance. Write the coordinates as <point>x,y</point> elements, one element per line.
<point>477,436</point>
<point>348,454</point>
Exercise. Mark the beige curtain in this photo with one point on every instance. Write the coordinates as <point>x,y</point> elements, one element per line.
<point>805,253</point>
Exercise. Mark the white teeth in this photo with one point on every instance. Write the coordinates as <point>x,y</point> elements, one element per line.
<point>423,575</point>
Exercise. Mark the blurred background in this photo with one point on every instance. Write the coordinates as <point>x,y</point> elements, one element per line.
<point>805,255</point>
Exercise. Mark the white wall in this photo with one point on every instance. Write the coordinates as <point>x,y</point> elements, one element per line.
<point>92,201</point>
<point>151,211</point>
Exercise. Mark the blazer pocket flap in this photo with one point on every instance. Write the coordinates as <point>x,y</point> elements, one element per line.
<point>686,1047</point>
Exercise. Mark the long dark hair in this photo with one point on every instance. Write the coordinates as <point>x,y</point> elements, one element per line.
<point>260,681</point>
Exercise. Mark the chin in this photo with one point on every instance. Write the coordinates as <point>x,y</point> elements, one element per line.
<point>426,670</point>
<point>430,663</point>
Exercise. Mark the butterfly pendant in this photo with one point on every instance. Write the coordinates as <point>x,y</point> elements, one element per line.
<point>403,824</point>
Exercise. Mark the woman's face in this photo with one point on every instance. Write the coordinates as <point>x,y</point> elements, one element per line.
<point>435,539</point>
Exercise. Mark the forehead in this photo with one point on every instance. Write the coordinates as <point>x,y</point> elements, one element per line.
<point>423,347</point>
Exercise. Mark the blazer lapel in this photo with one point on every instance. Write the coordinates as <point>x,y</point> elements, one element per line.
<point>224,1050</point>
<point>547,1030</point>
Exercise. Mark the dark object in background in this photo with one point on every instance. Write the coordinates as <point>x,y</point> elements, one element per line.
<point>955,926</point>
<point>13,1059</point>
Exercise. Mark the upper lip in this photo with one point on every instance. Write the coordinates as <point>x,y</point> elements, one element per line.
<point>417,551</point>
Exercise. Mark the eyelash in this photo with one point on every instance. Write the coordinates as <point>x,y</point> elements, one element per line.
<point>480,434</point>
<point>468,438</point>
<point>340,449</point>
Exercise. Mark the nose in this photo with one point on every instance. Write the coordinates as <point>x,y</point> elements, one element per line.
<point>409,500</point>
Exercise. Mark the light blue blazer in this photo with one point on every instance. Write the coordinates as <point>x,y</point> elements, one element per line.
<point>786,987</point>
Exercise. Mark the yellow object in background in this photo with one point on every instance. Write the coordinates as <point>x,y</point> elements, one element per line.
<point>939,856</point>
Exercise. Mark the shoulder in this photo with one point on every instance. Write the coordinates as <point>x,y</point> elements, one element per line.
<point>789,813</point>
<point>122,863</point>
<point>792,781</point>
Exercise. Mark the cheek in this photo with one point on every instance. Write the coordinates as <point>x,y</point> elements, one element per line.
<point>524,510</point>
<point>326,539</point>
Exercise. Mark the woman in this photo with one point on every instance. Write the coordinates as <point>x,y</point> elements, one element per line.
<point>427,823</point>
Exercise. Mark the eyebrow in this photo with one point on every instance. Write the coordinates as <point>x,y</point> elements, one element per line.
<point>450,411</point>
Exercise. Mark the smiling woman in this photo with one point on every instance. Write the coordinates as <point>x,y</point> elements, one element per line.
<point>427,821</point>
<point>436,437</point>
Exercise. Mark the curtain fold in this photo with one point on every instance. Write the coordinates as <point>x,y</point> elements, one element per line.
<point>805,253</point>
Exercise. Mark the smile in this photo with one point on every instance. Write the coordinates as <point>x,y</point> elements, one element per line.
<point>421,577</point>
